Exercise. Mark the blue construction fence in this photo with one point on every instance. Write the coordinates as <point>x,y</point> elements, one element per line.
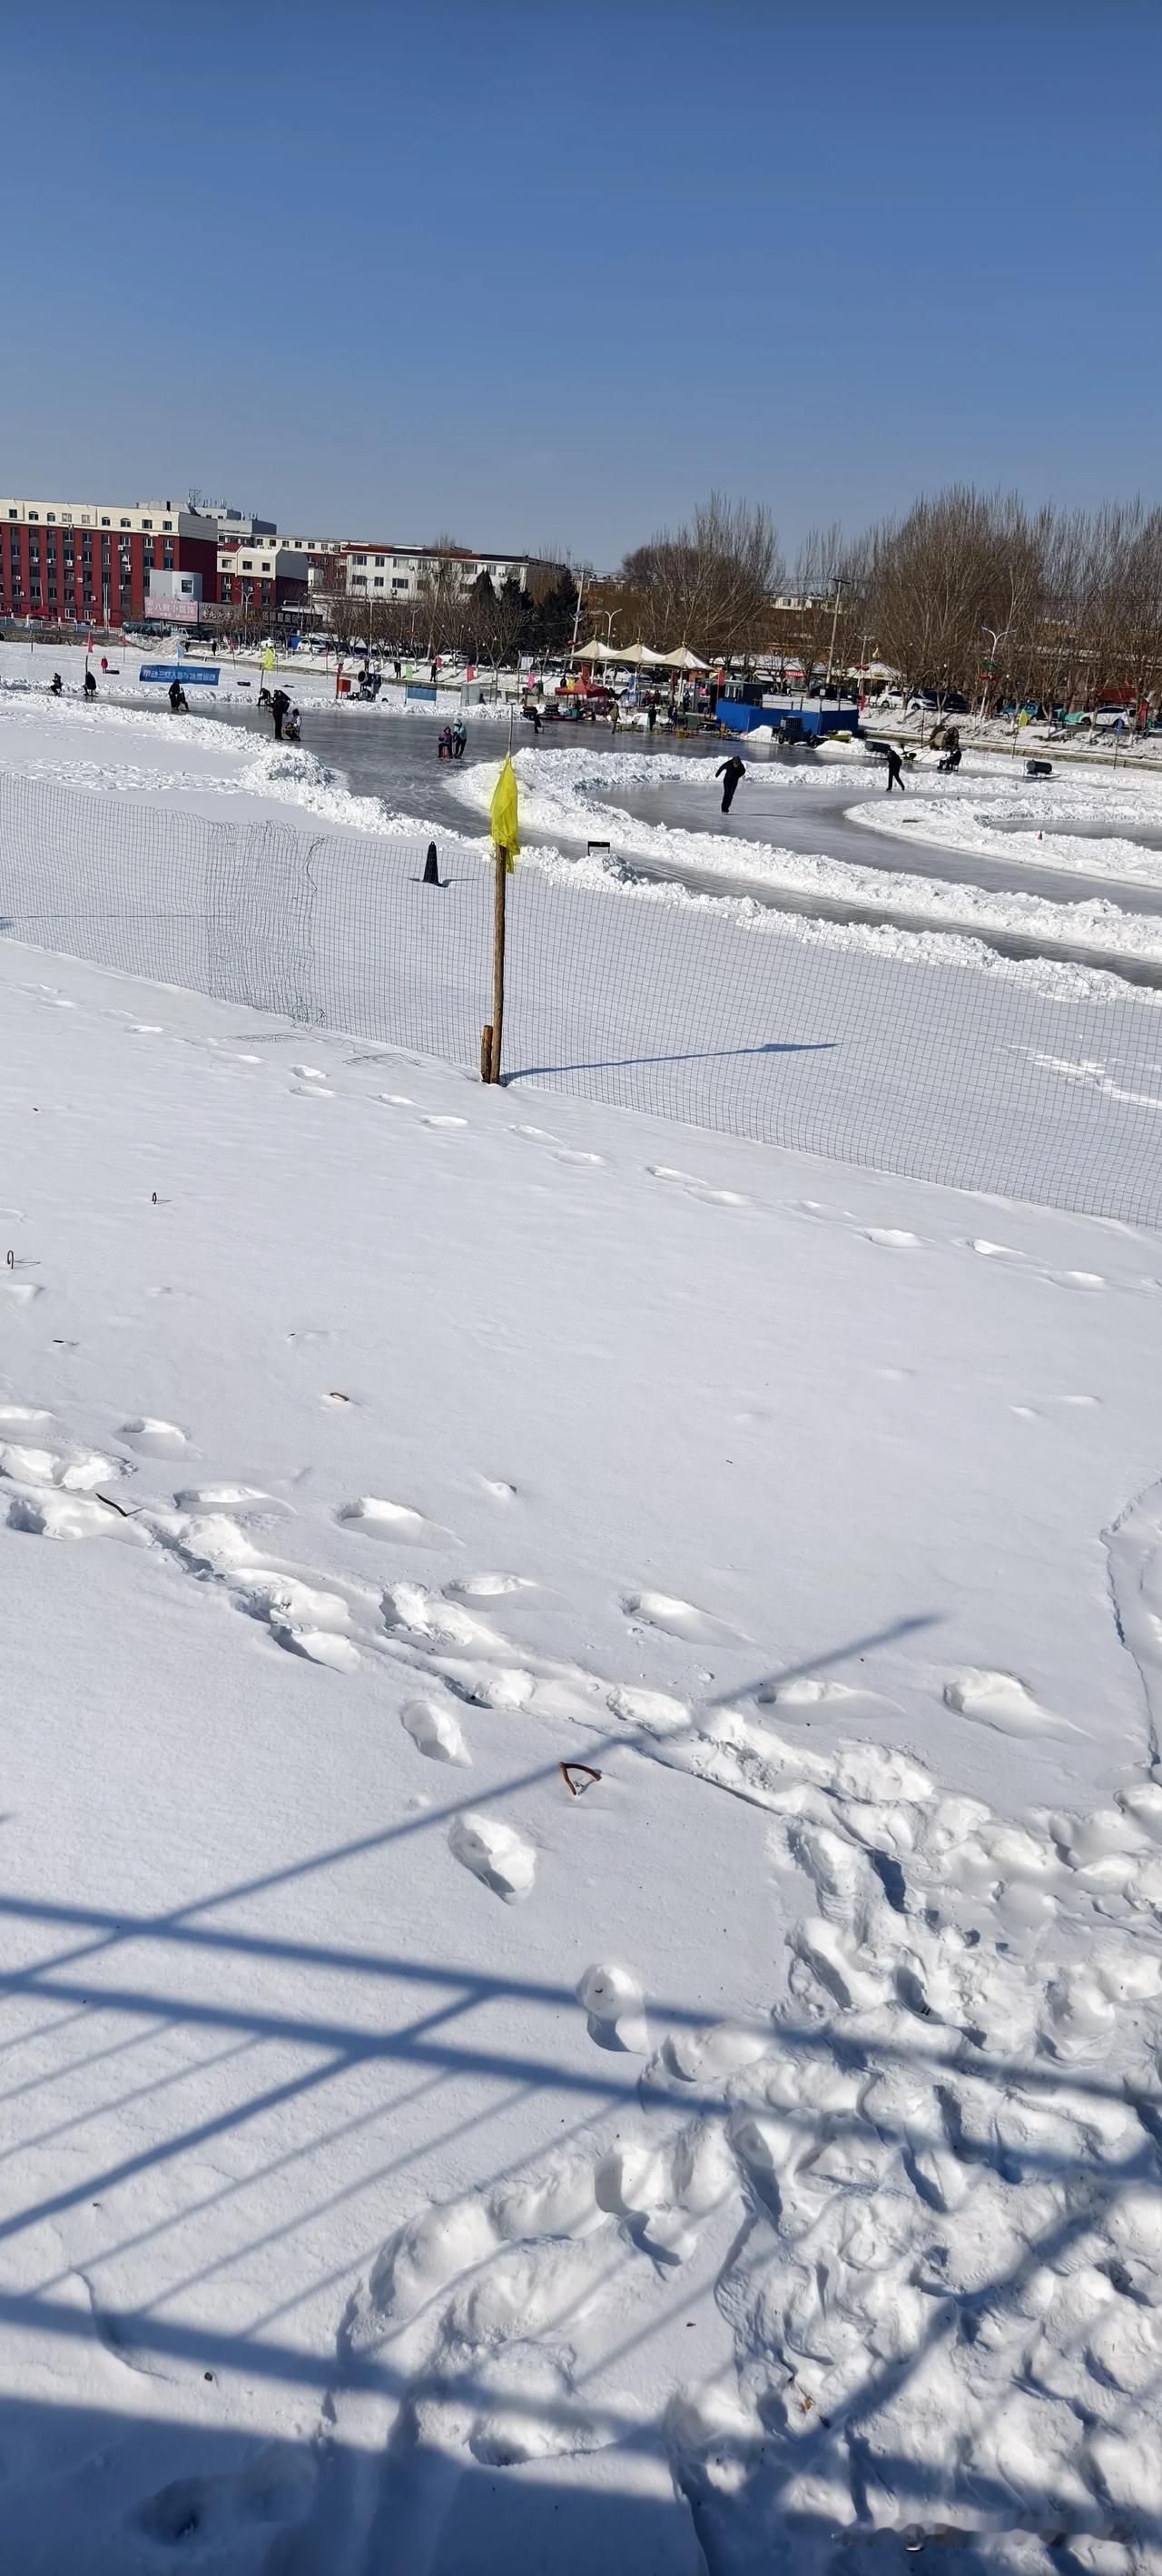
<point>802,723</point>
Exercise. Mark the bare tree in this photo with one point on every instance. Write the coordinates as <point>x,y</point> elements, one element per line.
<point>709,583</point>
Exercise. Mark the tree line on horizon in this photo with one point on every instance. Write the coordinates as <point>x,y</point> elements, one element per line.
<point>967,591</point>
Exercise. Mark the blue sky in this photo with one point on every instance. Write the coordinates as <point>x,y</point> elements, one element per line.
<point>544,275</point>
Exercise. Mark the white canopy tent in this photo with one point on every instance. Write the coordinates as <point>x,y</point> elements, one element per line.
<point>597,651</point>
<point>682,660</point>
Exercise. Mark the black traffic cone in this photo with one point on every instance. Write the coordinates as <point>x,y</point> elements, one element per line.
<point>431,866</point>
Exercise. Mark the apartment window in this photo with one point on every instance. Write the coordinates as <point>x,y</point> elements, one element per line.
<point>147,523</point>
<point>399,585</point>
<point>13,514</point>
<point>379,561</point>
<point>359,559</point>
<point>379,581</point>
<point>51,517</point>
<point>125,523</point>
<point>106,523</point>
<point>34,514</point>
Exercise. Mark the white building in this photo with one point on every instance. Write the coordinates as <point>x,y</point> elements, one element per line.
<point>404,572</point>
<point>263,574</point>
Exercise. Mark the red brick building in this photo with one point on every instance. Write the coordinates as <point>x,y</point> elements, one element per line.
<point>92,559</point>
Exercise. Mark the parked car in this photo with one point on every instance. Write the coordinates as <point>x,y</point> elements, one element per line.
<point>931,702</point>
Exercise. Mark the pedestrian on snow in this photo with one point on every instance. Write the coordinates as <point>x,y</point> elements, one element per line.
<point>459,739</point>
<point>280,710</point>
<point>90,685</point>
<point>651,712</point>
<point>397,667</point>
<point>56,684</point>
<point>895,769</point>
<point>435,668</point>
<point>614,716</point>
<point>535,713</point>
<point>293,727</point>
<point>176,695</point>
<point>951,758</point>
<point>730,772</point>
<point>104,661</point>
<point>444,746</point>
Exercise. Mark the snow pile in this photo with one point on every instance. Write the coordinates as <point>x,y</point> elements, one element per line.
<point>1001,814</point>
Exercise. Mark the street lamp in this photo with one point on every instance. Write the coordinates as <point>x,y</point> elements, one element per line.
<point>999,635</point>
<point>836,578</point>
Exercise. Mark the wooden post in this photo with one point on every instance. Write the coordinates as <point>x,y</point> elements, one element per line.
<point>498,928</point>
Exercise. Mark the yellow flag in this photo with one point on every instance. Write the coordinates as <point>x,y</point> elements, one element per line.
<point>502,813</point>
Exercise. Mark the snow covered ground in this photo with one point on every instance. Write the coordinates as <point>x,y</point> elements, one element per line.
<point>410,2164</point>
<point>28,669</point>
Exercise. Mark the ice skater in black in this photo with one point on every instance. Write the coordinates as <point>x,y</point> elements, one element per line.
<point>895,769</point>
<point>730,772</point>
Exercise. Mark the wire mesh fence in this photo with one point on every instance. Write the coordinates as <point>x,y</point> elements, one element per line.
<point>926,1059</point>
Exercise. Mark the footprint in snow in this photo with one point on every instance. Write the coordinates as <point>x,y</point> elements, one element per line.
<point>153,1436</point>
<point>22,1416</point>
<point>490,1587</point>
<point>809,1692</point>
<point>436,1732</point>
<point>892,1238</point>
<point>1075,1278</point>
<point>1000,1701</point>
<point>993,1251</point>
<point>81,1474</point>
<point>396,1100</point>
<point>499,1855</point>
<point>695,1188</point>
<point>444,1119</point>
<point>677,1618</point>
<point>499,1488</point>
<point>380,1519</point>
<point>50,1514</point>
<point>21,1291</point>
<point>612,2001</point>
